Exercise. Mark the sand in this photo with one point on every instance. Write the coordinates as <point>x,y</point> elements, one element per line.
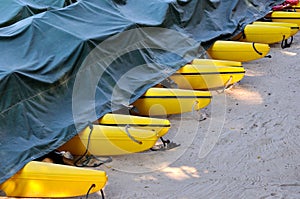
<point>248,146</point>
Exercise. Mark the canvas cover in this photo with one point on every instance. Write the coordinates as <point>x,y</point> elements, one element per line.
<point>12,11</point>
<point>63,67</point>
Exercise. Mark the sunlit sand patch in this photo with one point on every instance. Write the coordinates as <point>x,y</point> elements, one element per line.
<point>252,73</point>
<point>146,178</point>
<point>249,97</point>
<point>181,173</point>
<point>288,53</point>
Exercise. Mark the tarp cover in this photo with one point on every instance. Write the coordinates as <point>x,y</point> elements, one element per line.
<point>12,11</point>
<point>54,81</point>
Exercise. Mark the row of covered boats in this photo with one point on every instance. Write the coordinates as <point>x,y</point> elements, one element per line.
<point>119,134</point>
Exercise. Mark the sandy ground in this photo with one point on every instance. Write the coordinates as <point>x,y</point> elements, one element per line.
<point>248,147</point>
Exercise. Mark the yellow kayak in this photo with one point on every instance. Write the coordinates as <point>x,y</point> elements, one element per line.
<point>107,141</point>
<point>160,126</point>
<point>164,101</point>
<point>282,16</point>
<point>202,77</point>
<point>238,51</point>
<point>293,26</point>
<point>215,62</point>
<point>266,34</point>
<point>41,179</point>
<point>296,7</point>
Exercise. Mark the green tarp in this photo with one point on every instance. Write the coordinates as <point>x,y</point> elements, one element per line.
<point>12,11</point>
<point>64,67</point>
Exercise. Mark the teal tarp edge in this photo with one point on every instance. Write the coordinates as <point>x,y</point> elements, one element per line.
<point>37,82</point>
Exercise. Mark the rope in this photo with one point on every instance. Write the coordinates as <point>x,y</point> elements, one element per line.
<point>228,83</point>
<point>102,194</point>
<point>226,86</point>
<point>282,42</point>
<point>268,56</point>
<point>87,146</point>
<point>130,136</point>
<point>194,105</point>
<point>88,192</point>
<point>286,43</point>
<point>89,158</point>
<point>253,45</point>
<point>193,108</point>
<point>165,142</point>
<point>194,112</point>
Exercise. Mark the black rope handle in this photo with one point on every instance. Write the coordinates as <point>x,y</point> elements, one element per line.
<point>88,192</point>
<point>286,43</point>
<point>282,42</point>
<point>253,46</point>
<point>102,194</point>
<point>87,146</point>
<point>165,142</point>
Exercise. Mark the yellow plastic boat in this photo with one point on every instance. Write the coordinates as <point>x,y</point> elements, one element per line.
<point>293,26</point>
<point>264,34</point>
<point>41,179</point>
<point>160,126</point>
<point>296,7</point>
<point>201,77</point>
<point>107,141</point>
<point>282,16</point>
<point>238,51</point>
<point>215,62</point>
<point>164,101</point>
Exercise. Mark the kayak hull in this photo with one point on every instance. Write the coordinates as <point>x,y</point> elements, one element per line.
<point>216,62</point>
<point>266,34</point>
<point>160,126</point>
<point>238,51</point>
<point>41,179</point>
<point>163,101</point>
<point>282,16</point>
<point>108,141</point>
<point>202,77</point>
<point>292,26</point>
